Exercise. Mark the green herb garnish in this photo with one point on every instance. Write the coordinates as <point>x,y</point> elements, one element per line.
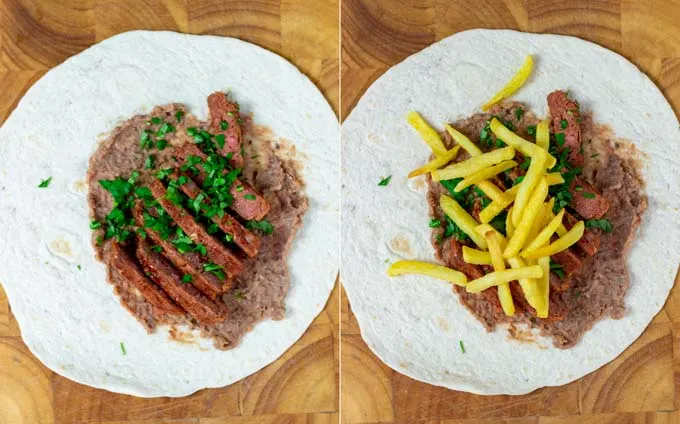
<point>518,113</point>
<point>145,141</point>
<point>249,196</point>
<point>179,115</point>
<point>155,120</point>
<point>564,124</point>
<point>265,226</point>
<point>461,345</point>
<point>434,223</point>
<point>557,269</point>
<point>229,237</point>
<point>187,278</point>
<point>219,138</point>
<point>603,224</point>
<point>224,125</point>
<point>45,183</point>
<point>559,138</point>
<point>383,182</point>
<point>531,130</point>
<point>149,162</point>
<point>95,225</point>
<point>122,348</point>
<point>588,195</point>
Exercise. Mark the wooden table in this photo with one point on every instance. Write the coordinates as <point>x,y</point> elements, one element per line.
<point>643,384</point>
<point>301,387</point>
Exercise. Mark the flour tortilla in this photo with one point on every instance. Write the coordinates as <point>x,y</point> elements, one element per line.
<point>413,323</point>
<point>70,319</point>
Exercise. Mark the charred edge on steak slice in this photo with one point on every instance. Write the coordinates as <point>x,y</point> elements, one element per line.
<point>221,109</point>
<point>189,263</point>
<point>184,294</point>
<point>126,267</point>
<point>242,237</point>
<point>248,209</point>
<point>217,252</point>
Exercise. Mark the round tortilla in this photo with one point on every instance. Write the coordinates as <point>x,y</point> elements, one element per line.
<point>414,323</point>
<point>70,318</point>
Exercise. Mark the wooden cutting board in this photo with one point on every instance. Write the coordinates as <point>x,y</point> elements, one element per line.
<point>300,387</point>
<point>643,384</point>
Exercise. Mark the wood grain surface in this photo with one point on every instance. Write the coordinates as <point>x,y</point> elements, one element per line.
<point>299,388</point>
<point>643,384</point>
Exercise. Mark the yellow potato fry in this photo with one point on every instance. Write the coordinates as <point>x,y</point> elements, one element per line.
<point>532,209</point>
<point>485,174</point>
<point>476,257</point>
<point>537,225</point>
<point>431,270</point>
<point>493,239</point>
<point>559,245</point>
<point>502,277</point>
<point>554,178</point>
<point>526,187</point>
<point>462,219</point>
<point>527,148</point>
<point>496,207</point>
<point>474,164</point>
<point>509,228</point>
<point>436,163</point>
<point>543,289</point>
<point>513,85</point>
<point>561,229</point>
<point>491,190</point>
<point>427,133</point>
<point>543,237</point>
<point>543,134</point>
<point>528,285</point>
<point>463,141</point>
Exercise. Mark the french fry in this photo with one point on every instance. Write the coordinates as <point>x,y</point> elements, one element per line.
<point>431,270</point>
<point>474,164</point>
<point>554,178</point>
<point>509,228</point>
<point>491,190</point>
<point>543,288</point>
<point>495,240</point>
<point>528,285</point>
<point>531,211</point>
<point>533,176</point>
<point>462,219</point>
<point>527,148</point>
<point>427,133</point>
<point>514,84</point>
<point>502,277</point>
<point>463,141</point>
<point>476,257</point>
<point>436,163</point>
<point>485,174</point>
<point>543,237</point>
<point>537,225</point>
<point>543,135</point>
<point>559,245</point>
<point>561,229</point>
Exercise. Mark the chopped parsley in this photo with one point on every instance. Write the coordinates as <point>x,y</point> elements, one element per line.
<point>453,230</point>
<point>518,113</point>
<point>186,278</point>
<point>588,195</point>
<point>498,222</point>
<point>224,125</point>
<point>434,223</point>
<point>80,268</point>
<point>149,163</point>
<point>594,155</point>
<point>383,182</point>
<point>215,269</point>
<point>265,226</point>
<point>156,248</point>
<point>526,163</point>
<point>164,129</point>
<point>531,130</point>
<point>145,141</point>
<point>95,225</point>
<point>249,196</point>
<point>229,237</point>
<point>578,188</point>
<point>557,269</point>
<point>559,138</point>
<point>220,140</point>
<point>161,144</point>
<point>564,124</point>
<point>155,120</point>
<point>179,115</point>
<point>122,348</point>
<point>603,224</point>
<point>461,345</point>
<point>45,183</point>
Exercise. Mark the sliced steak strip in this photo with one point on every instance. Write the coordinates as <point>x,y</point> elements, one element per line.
<point>217,252</point>
<point>188,263</point>
<point>165,275</point>
<point>125,266</point>
<point>223,110</point>
<point>587,200</point>
<point>248,204</point>
<point>589,244</point>
<point>565,110</point>
<point>244,238</point>
<point>568,260</point>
